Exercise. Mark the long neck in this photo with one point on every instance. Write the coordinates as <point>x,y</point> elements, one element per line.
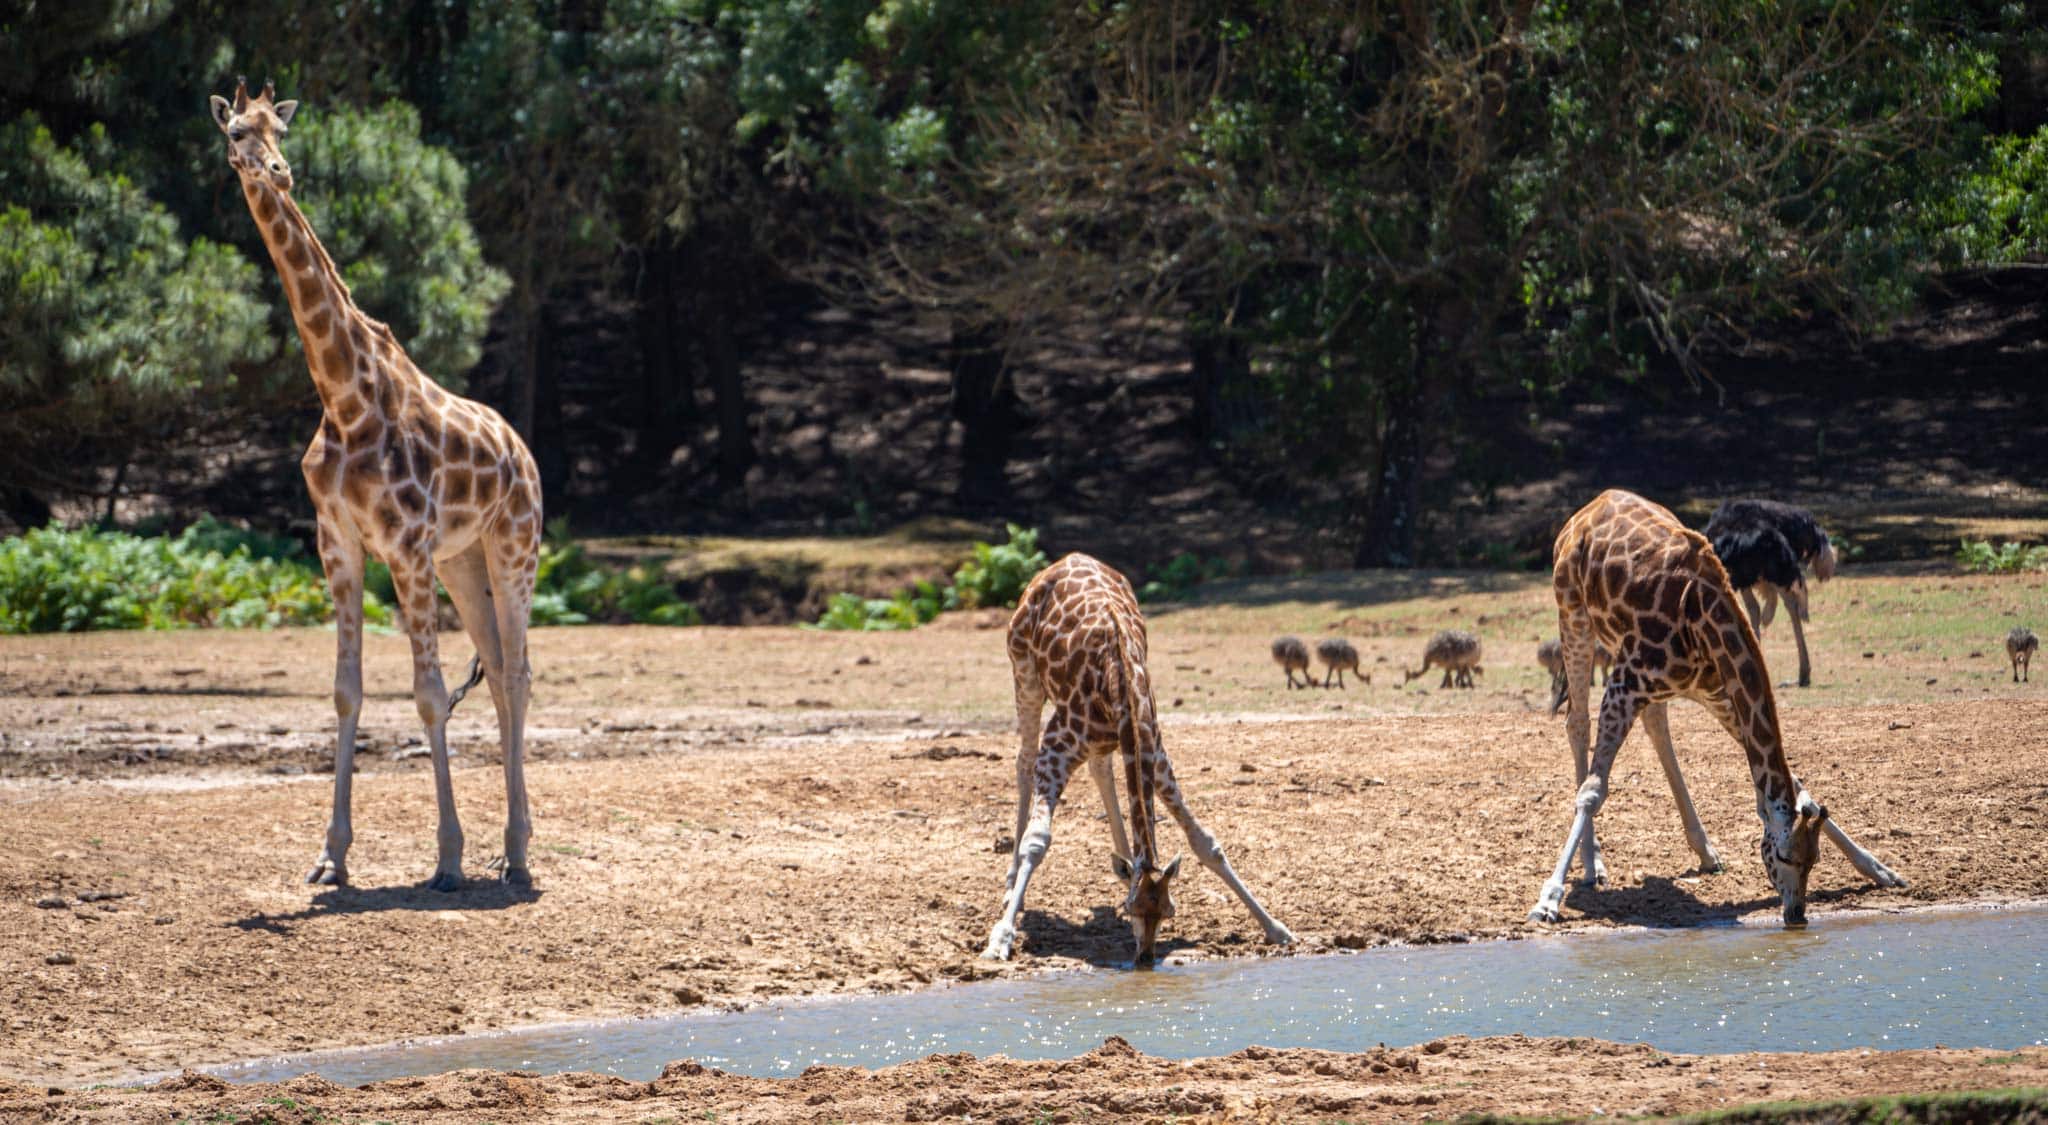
<point>1137,764</point>
<point>320,301</point>
<point>1752,708</point>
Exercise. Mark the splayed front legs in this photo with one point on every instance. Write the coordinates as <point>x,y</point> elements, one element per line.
<point>1210,854</point>
<point>1047,779</point>
<point>1618,709</point>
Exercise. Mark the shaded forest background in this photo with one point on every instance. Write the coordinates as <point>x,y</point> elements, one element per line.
<point>1291,283</point>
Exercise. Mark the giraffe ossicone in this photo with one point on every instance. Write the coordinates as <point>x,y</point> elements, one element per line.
<point>1632,579</point>
<point>435,485</point>
<point>1078,640</point>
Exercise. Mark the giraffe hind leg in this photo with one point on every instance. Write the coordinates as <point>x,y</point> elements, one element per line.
<point>412,579</point>
<point>512,558</point>
<point>1657,724</point>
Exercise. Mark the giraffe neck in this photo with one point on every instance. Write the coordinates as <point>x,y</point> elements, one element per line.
<point>1137,765</point>
<point>1753,708</point>
<point>321,304</point>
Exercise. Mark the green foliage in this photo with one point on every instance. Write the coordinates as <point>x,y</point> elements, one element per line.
<point>1179,577</point>
<point>53,580</point>
<point>389,209</point>
<point>907,609</point>
<point>2008,558</point>
<point>114,318</point>
<point>572,589</point>
<point>997,574</point>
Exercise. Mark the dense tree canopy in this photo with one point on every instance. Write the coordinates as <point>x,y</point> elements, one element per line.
<point>1360,214</point>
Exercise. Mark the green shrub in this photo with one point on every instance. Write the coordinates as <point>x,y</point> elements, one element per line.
<point>572,589</point>
<point>1179,577</point>
<point>2007,558</point>
<point>215,574</point>
<point>53,580</point>
<point>996,575</point>
<point>906,610</point>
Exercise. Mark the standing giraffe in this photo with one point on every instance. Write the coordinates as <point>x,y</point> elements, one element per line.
<point>1077,637</point>
<point>428,481</point>
<point>1630,577</point>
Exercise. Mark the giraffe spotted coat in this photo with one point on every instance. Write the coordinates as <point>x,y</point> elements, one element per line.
<point>1077,640</point>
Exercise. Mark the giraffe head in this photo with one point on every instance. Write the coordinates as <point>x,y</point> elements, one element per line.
<point>1149,903</point>
<point>1791,845</point>
<point>254,126</point>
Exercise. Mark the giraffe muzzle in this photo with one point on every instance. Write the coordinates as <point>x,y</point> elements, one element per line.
<point>280,174</point>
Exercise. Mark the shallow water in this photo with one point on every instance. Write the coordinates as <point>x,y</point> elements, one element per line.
<point>1954,978</point>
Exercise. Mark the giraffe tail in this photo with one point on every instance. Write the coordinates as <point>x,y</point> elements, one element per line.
<point>476,676</point>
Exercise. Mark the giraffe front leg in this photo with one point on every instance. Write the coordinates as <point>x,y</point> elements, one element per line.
<point>1033,843</point>
<point>1210,855</point>
<point>1030,712</point>
<point>342,558</point>
<point>412,580</point>
<point>1871,867</point>
<point>1618,710</point>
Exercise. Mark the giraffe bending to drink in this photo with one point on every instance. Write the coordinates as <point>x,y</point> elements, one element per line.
<point>428,481</point>
<point>1631,578</point>
<point>1078,639</point>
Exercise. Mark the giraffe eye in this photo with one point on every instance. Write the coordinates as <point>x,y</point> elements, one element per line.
<point>234,134</point>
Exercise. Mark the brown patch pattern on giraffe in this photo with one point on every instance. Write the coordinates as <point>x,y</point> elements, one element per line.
<point>375,473</point>
<point>1078,641</point>
<point>1633,581</point>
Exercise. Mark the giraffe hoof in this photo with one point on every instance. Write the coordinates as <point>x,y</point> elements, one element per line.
<point>999,944</point>
<point>445,881</point>
<point>1279,935</point>
<point>1547,915</point>
<point>327,873</point>
<point>518,875</point>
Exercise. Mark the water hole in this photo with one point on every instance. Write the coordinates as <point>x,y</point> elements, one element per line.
<point>1957,978</point>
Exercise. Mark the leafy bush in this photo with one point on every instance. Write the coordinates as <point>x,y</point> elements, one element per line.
<point>572,589</point>
<point>213,573</point>
<point>2008,558</point>
<point>53,580</point>
<point>1179,577</point>
<point>996,575</point>
<point>906,610</point>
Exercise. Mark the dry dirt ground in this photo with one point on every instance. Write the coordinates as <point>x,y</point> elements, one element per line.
<point>724,816</point>
<point>1441,1080</point>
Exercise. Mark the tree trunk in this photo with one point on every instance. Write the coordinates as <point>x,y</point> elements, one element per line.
<point>549,435</point>
<point>24,507</point>
<point>1415,410</point>
<point>722,359</point>
<point>1221,365</point>
<point>984,402</point>
<point>667,381</point>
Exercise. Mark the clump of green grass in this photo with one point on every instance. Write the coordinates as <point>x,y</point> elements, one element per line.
<point>2007,558</point>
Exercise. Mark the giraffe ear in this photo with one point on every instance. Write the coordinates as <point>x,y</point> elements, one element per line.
<point>1172,869</point>
<point>285,110</point>
<point>222,111</point>
<point>1120,864</point>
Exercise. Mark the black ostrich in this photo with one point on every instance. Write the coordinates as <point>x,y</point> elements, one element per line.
<point>1771,545</point>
